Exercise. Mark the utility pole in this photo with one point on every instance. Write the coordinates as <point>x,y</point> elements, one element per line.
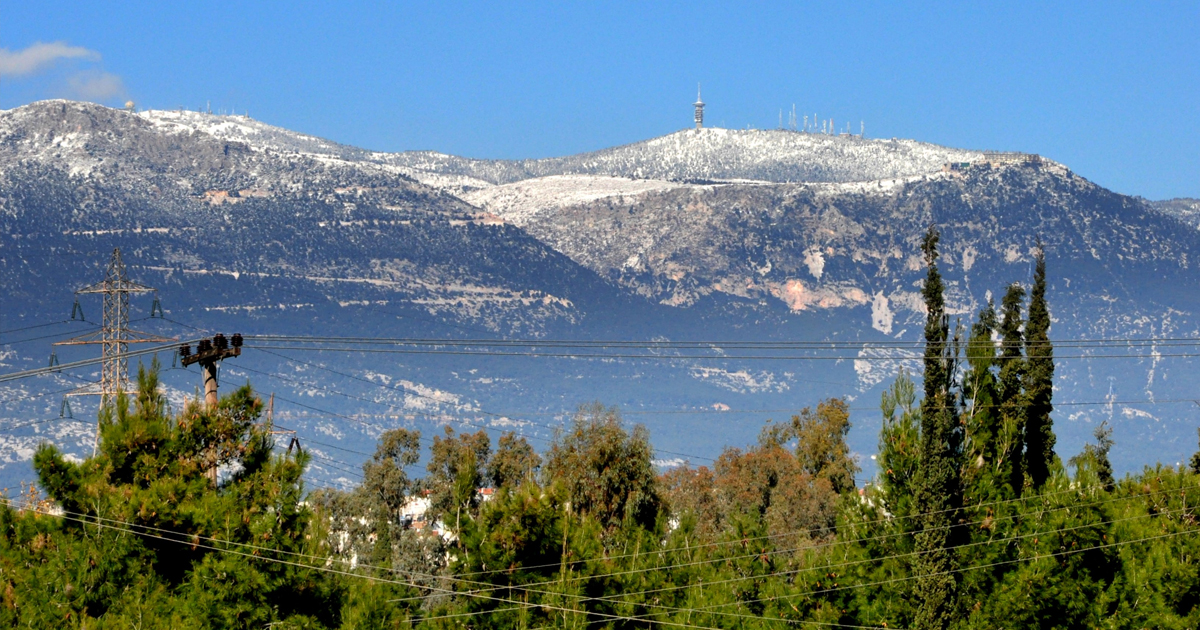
<point>114,335</point>
<point>208,354</point>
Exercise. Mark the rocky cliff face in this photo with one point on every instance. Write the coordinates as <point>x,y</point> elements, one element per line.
<point>715,235</point>
<point>830,246</point>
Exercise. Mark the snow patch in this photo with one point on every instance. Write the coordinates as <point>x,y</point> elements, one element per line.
<point>881,314</point>
<point>520,202</point>
<point>815,261</point>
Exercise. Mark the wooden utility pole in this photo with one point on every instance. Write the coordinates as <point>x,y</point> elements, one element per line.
<point>208,354</point>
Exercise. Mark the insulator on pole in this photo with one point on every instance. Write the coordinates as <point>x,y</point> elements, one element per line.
<point>65,411</point>
<point>236,340</point>
<point>77,311</point>
<point>53,358</point>
<point>220,342</point>
<point>185,351</point>
<point>156,309</point>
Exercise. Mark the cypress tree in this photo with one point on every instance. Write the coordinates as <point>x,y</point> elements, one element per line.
<point>1039,387</point>
<point>938,495</point>
<point>1011,440</point>
<point>979,388</point>
<point>1194,464</point>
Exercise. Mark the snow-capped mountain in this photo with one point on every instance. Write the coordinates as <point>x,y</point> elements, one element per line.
<point>1184,209</point>
<point>718,154</point>
<point>692,154</point>
<point>701,234</point>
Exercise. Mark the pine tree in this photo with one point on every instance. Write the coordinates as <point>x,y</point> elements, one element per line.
<point>1039,381</point>
<point>1011,439</point>
<point>938,489</point>
<point>143,521</point>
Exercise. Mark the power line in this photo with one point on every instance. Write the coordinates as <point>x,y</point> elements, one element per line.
<point>861,561</point>
<point>481,411</point>
<point>12,376</point>
<point>191,540</point>
<point>818,546</point>
<point>55,323</point>
<point>709,343</point>
<point>891,519</point>
<point>679,357</point>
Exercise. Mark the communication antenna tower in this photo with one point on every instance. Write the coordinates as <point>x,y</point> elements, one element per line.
<point>699,105</point>
<point>114,335</point>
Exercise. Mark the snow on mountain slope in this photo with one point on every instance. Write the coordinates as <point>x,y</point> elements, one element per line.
<point>704,154</point>
<point>1183,208</point>
<point>255,133</point>
<point>261,136</point>
<point>720,154</point>
<point>524,202</point>
<point>519,202</point>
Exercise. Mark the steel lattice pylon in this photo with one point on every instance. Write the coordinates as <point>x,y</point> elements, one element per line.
<point>114,335</point>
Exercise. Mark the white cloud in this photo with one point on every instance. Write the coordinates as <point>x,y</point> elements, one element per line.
<point>96,85</point>
<point>40,56</point>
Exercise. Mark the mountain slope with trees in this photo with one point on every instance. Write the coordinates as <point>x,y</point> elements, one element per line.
<point>192,520</point>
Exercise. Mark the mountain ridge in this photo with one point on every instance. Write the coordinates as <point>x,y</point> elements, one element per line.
<point>244,226</point>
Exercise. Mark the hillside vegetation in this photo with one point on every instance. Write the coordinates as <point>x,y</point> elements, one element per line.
<point>197,519</point>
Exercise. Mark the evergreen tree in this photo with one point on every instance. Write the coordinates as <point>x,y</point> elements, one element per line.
<point>1012,401</point>
<point>821,448</point>
<point>900,444</point>
<point>1095,457</point>
<point>979,392</point>
<point>607,472</point>
<point>514,462</point>
<point>1039,382</point>
<point>457,469</point>
<point>1195,462</point>
<point>938,495</point>
<point>146,534</point>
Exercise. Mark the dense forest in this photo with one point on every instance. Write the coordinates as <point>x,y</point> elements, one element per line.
<point>198,519</point>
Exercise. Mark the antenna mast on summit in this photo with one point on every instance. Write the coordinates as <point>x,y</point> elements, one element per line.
<point>699,105</point>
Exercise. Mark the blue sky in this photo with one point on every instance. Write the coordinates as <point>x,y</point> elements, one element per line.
<point>1109,89</point>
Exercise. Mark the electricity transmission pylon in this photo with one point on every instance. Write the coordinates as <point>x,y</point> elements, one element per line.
<point>114,335</point>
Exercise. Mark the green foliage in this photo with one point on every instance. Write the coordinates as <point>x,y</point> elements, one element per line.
<point>1039,386</point>
<point>606,471</point>
<point>900,445</point>
<point>1094,458</point>
<point>1194,464</point>
<point>191,521</point>
<point>938,491</point>
<point>457,469</point>
<point>981,414</point>
<point>514,462</point>
<point>154,473</point>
